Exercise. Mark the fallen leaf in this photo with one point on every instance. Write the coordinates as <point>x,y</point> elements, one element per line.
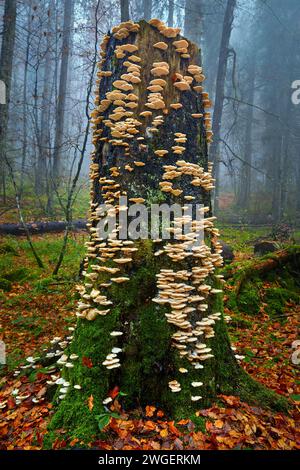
<point>164,433</point>
<point>150,410</point>
<point>86,361</point>
<point>91,402</point>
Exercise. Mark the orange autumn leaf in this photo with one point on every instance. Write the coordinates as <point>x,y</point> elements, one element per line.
<point>183,422</point>
<point>74,441</point>
<point>91,402</point>
<point>86,361</point>
<point>149,425</point>
<point>160,414</point>
<point>231,400</point>
<point>219,423</point>
<point>114,392</point>
<point>150,410</point>
<point>173,429</point>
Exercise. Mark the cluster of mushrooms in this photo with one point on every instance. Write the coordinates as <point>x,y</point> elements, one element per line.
<point>188,292</point>
<point>119,119</point>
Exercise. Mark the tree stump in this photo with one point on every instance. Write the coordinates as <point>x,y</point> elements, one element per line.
<point>150,318</point>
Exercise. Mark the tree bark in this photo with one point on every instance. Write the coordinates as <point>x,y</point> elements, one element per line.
<point>140,318</point>
<point>124,5</point>
<point>219,96</point>
<point>6,63</point>
<point>61,100</point>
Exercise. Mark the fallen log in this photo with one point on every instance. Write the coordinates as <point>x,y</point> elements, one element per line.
<point>41,227</point>
<point>262,266</point>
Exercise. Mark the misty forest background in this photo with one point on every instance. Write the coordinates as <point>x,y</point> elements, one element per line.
<point>48,53</point>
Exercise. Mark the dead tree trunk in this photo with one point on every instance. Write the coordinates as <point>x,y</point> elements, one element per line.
<point>6,62</point>
<point>220,87</point>
<point>150,317</point>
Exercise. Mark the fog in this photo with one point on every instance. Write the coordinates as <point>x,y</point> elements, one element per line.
<point>48,53</point>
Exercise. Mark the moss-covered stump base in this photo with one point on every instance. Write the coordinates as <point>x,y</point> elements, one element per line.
<point>148,361</point>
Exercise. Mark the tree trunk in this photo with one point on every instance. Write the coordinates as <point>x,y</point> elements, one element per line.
<point>44,138</point>
<point>24,104</point>
<point>151,324</point>
<point>147,9</point>
<point>124,5</point>
<point>245,181</point>
<point>63,76</point>
<point>193,20</point>
<point>171,13</point>
<point>6,62</point>
<point>220,87</point>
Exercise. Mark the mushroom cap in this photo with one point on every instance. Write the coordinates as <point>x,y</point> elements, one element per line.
<point>131,105</point>
<point>115,95</point>
<point>128,47</point>
<point>188,79</point>
<point>156,104</point>
<point>155,22</point>
<point>199,77</point>
<point>176,105</point>
<point>132,97</point>
<point>146,113</point>
<point>161,64</point>
<point>155,88</point>
<point>120,280</point>
<point>159,71</point>
<point>161,45</point>
<point>182,86</point>
<point>134,58</point>
<point>161,153</point>
<point>137,200</point>
<point>181,43</point>
<point>170,32</point>
<point>158,81</point>
<point>122,85</point>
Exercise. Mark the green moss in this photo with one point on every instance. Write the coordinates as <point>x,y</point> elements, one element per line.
<point>5,285</point>
<point>199,422</point>
<point>8,248</point>
<point>276,299</point>
<point>249,298</point>
<point>16,275</point>
<point>92,343</point>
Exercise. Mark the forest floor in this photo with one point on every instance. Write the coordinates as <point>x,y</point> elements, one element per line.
<point>35,307</point>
